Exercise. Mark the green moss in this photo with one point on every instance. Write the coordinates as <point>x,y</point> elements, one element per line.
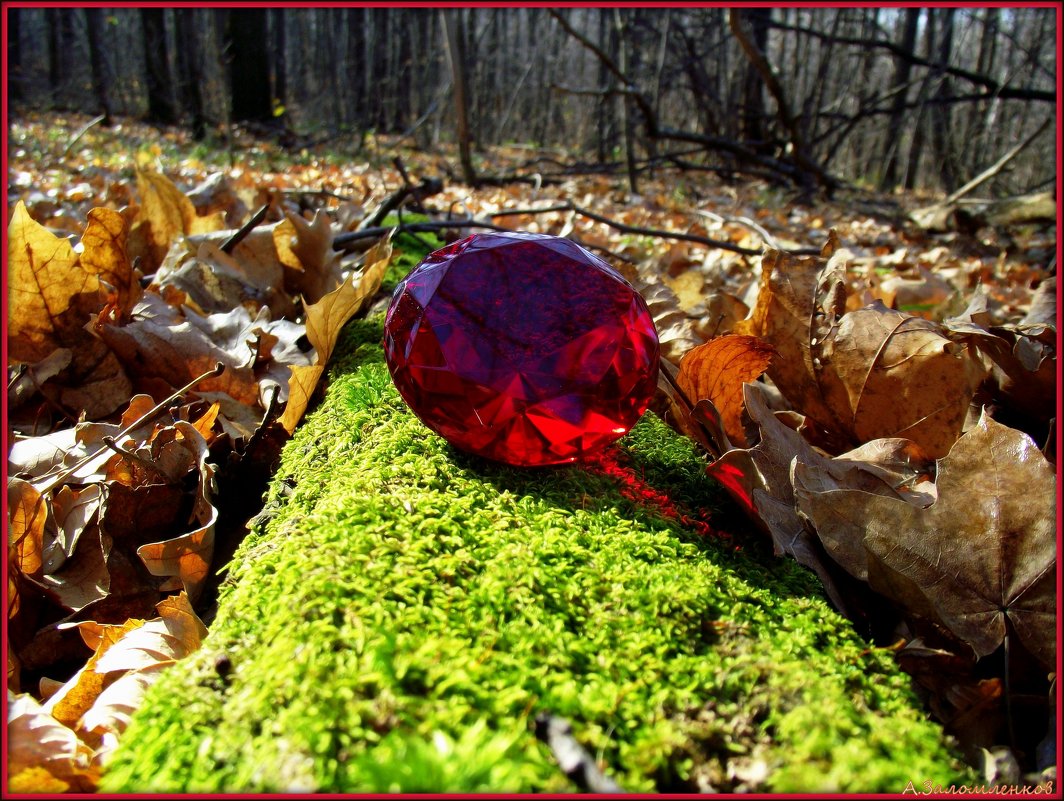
<point>401,612</point>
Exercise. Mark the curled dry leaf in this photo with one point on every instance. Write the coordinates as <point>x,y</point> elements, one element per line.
<point>676,330</point>
<point>306,250</point>
<point>797,302</point>
<point>188,557</point>
<point>717,370</point>
<point>27,515</point>
<point>215,193</point>
<point>889,374</point>
<point>865,374</point>
<point>164,215</point>
<point>1022,357</point>
<point>212,280</point>
<point>53,295</point>
<point>981,561</point>
<point>325,320</point>
<point>175,346</point>
<point>98,701</point>
<point>761,481</point>
<point>43,755</point>
<point>104,255</point>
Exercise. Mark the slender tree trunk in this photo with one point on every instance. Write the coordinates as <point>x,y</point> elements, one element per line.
<point>753,108</point>
<point>278,30</point>
<point>157,67</point>
<point>249,68</point>
<point>190,77</point>
<point>916,150</point>
<point>356,65</point>
<point>456,55</point>
<point>624,106</point>
<point>902,72</point>
<point>941,140</point>
<point>59,42</point>
<point>14,55</point>
<point>94,23</point>
<point>984,114</point>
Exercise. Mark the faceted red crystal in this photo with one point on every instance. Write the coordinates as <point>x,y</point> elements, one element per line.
<point>523,348</point>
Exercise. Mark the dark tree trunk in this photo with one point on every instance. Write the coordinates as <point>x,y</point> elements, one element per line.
<point>625,105</point>
<point>916,150</point>
<point>59,44</point>
<point>94,25</point>
<point>902,71</point>
<point>14,55</point>
<point>190,71</point>
<point>356,66</point>
<point>941,118</point>
<point>249,65</point>
<point>278,46</point>
<point>157,67</point>
<point>456,53</point>
<point>278,36</point>
<point>753,114</point>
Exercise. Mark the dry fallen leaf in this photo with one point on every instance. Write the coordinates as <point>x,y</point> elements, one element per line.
<point>865,374</point>
<point>174,346</point>
<point>104,255</point>
<point>1022,356</point>
<point>43,755</point>
<point>676,330</point>
<point>98,701</point>
<point>888,374</point>
<point>798,300</point>
<point>761,479</point>
<point>27,515</point>
<point>52,298</point>
<point>188,556</point>
<point>717,371</point>
<point>306,250</point>
<point>325,320</point>
<point>981,561</point>
<point>164,215</point>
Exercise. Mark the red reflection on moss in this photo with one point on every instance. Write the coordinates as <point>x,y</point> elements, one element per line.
<point>634,488</point>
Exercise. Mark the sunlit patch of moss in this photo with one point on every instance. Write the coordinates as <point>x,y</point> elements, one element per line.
<point>401,613</point>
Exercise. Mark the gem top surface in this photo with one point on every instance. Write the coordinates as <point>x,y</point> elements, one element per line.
<point>521,348</point>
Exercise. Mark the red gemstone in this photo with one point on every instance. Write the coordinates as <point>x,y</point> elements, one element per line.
<point>523,348</point>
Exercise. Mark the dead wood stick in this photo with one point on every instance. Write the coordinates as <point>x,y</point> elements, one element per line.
<point>996,167</point>
<point>343,241</point>
<point>55,479</point>
<point>429,186</point>
<point>229,245</point>
<point>634,229</point>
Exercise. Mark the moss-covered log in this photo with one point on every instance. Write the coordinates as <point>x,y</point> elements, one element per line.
<point>402,613</point>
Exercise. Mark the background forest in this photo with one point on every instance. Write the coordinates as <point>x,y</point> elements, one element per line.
<point>916,98</point>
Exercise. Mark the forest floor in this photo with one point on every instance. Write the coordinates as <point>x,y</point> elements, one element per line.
<point>174,274</point>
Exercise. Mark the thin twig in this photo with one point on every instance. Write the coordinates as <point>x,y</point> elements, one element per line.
<point>134,457</point>
<point>541,210</point>
<point>230,244</point>
<point>768,238</point>
<point>633,229</point>
<point>343,241</point>
<point>159,407</point>
<point>429,186</point>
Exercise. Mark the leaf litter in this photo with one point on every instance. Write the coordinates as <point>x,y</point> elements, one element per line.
<point>884,411</point>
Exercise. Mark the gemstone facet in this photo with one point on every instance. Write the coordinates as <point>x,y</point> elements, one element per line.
<point>522,348</point>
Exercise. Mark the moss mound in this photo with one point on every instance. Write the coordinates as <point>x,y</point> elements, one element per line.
<point>402,612</point>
